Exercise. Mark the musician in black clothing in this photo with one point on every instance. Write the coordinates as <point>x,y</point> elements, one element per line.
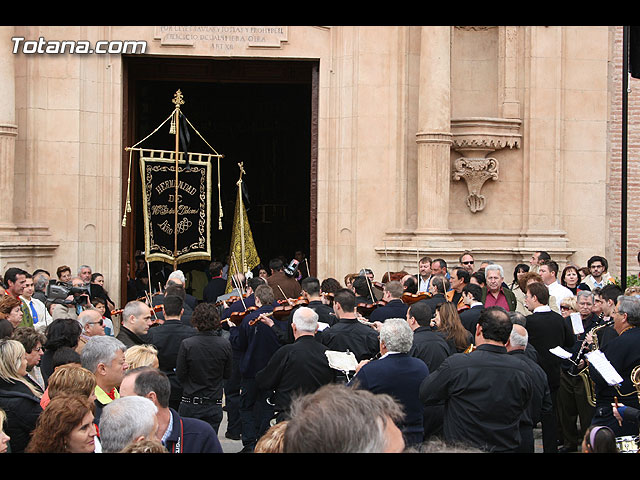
<point>472,297</point>
<point>349,334</point>
<point>311,293</point>
<point>623,352</point>
<point>394,307</point>
<point>297,368</point>
<point>469,384</point>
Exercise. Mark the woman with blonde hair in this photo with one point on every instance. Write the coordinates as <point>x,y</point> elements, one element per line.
<point>18,397</point>
<point>141,356</point>
<point>65,426</point>
<point>568,306</point>
<point>4,438</point>
<point>447,323</point>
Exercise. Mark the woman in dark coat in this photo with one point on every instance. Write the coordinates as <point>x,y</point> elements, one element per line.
<point>18,398</point>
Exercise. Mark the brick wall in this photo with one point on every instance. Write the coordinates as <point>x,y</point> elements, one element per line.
<point>614,196</point>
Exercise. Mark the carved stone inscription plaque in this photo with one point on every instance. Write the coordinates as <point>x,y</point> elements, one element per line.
<point>222,39</point>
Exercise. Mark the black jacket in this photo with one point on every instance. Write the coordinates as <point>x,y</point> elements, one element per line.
<point>430,347</point>
<point>395,308</point>
<point>469,317</point>
<point>548,330</point>
<point>351,335</point>
<point>129,338</point>
<point>300,367</point>
<point>22,409</point>
<point>167,338</point>
<point>203,363</point>
<point>470,384</point>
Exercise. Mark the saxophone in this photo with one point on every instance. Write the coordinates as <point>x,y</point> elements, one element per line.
<point>583,373</point>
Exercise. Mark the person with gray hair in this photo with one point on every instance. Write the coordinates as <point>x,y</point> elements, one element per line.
<point>398,374</point>
<point>297,368</point>
<point>540,407</point>
<point>127,420</point>
<point>496,292</point>
<point>339,419</point>
<point>623,352</point>
<point>104,357</point>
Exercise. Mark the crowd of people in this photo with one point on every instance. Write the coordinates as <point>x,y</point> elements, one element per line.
<point>447,359</point>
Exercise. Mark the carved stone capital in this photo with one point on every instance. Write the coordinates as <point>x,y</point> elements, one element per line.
<point>475,138</point>
<point>475,172</point>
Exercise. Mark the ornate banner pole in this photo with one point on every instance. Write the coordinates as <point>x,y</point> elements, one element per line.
<point>175,126</point>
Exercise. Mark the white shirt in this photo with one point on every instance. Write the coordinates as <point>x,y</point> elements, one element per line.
<point>559,291</point>
<point>423,285</point>
<point>44,317</point>
<point>542,308</point>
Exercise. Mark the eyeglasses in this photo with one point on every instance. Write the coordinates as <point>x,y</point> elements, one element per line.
<point>468,263</point>
<point>564,307</point>
<point>100,322</point>
<point>596,266</point>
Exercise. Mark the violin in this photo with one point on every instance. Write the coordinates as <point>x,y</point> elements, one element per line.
<point>365,309</point>
<point>237,317</point>
<point>411,298</point>
<point>278,313</point>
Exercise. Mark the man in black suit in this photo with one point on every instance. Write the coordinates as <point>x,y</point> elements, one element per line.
<point>297,368</point>
<point>472,296</point>
<point>394,307</point>
<point>547,330</point>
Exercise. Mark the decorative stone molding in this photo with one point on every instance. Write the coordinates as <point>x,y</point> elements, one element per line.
<point>475,171</point>
<point>475,138</point>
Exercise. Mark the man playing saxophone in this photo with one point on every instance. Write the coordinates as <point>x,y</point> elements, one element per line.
<point>623,352</point>
<point>575,394</point>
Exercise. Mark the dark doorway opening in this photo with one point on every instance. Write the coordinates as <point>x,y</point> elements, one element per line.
<point>260,113</point>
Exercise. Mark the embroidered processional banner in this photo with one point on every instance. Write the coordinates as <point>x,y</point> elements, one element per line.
<point>186,237</point>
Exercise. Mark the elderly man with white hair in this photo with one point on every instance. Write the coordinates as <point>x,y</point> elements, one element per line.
<point>127,420</point>
<point>398,374</point>
<point>300,367</point>
<point>496,293</point>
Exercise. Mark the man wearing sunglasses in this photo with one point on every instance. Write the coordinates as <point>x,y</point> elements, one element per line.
<point>468,262</point>
<point>92,326</point>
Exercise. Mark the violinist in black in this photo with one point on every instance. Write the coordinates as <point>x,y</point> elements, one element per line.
<point>394,306</point>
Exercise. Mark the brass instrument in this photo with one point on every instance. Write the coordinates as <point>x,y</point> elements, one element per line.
<point>635,379</point>
<point>631,443</point>
<point>584,371</point>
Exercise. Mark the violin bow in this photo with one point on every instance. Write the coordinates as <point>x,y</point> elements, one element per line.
<point>387,259</point>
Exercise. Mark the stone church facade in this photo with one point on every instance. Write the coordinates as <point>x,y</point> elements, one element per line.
<point>430,140</point>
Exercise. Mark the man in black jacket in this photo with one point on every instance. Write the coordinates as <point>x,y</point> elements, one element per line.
<point>472,296</point>
<point>394,307</point>
<point>469,384</point>
<point>349,334</point>
<point>311,292</point>
<point>136,320</point>
<point>547,330</point>
<point>298,368</point>
<point>540,408</point>
<point>167,338</point>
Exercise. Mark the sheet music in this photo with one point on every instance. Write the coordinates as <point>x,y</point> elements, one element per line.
<point>599,361</point>
<point>343,361</point>
<point>560,352</point>
<point>322,326</point>
<point>576,323</point>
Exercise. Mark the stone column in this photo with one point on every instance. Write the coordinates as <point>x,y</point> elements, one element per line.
<point>434,134</point>
<point>8,131</point>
